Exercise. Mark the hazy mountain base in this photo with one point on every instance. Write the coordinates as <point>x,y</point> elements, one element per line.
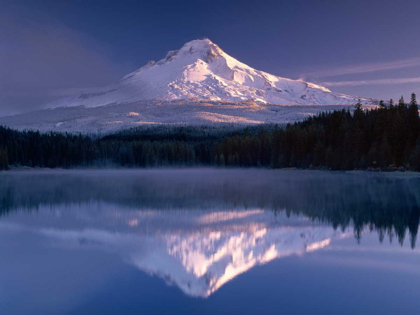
<point>112,118</point>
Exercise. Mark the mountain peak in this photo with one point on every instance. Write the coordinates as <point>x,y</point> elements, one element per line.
<point>205,42</point>
<point>200,44</point>
<point>203,49</point>
<point>200,69</point>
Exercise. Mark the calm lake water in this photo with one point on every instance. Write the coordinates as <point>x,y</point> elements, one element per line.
<point>209,242</point>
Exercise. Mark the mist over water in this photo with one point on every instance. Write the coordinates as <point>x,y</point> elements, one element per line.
<point>203,239</point>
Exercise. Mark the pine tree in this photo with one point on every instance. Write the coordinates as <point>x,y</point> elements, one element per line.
<point>391,103</point>
<point>413,122</point>
<point>358,105</point>
<point>415,158</point>
<point>413,101</point>
<point>401,102</point>
<point>382,104</point>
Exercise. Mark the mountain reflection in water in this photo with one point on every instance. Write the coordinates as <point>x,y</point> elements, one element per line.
<point>196,251</point>
<point>198,229</point>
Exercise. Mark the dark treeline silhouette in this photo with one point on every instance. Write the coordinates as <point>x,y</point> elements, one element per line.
<point>385,138</point>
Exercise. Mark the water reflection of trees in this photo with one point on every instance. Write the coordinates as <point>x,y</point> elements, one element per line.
<point>388,204</point>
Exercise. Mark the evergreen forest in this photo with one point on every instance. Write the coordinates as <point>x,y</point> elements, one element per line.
<point>385,138</point>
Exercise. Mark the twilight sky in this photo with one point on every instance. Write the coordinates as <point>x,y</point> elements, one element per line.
<point>49,48</point>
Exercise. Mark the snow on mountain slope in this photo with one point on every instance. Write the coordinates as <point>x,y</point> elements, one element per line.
<point>107,119</point>
<point>201,70</point>
<point>197,85</point>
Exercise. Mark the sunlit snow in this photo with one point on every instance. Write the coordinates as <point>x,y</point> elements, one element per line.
<point>198,84</point>
<point>200,69</point>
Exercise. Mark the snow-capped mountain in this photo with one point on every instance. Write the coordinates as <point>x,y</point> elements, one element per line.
<point>198,84</point>
<point>202,70</point>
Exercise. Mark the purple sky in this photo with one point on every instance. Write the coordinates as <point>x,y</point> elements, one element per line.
<point>48,48</point>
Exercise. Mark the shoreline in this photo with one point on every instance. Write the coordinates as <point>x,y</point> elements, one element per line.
<point>188,169</point>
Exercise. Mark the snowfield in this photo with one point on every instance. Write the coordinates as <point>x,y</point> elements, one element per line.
<point>107,119</point>
<point>197,85</point>
<point>201,70</point>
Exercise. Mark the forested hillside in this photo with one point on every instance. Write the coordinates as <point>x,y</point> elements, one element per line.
<point>383,138</point>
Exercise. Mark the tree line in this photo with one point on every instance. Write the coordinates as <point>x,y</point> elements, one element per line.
<point>384,138</point>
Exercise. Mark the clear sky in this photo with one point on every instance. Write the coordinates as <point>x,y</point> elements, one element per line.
<point>369,48</point>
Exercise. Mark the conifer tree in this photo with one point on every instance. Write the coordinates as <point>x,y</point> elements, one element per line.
<point>401,102</point>
<point>381,103</point>
<point>413,122</point>
<point>358,105</point>
<point>413,101</point>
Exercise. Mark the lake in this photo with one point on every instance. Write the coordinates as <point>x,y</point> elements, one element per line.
<point>207,241</point>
